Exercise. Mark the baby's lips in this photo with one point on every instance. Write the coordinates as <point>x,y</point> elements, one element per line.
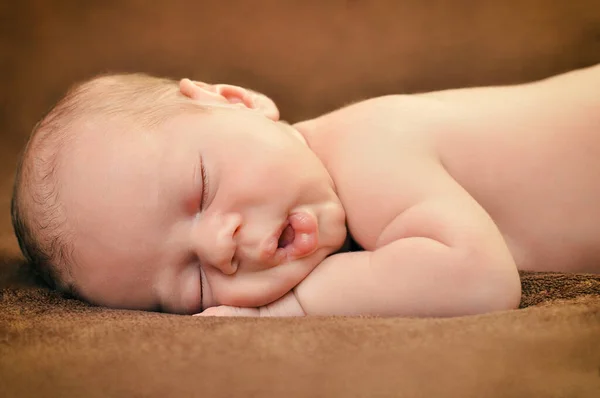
<point>306,233</point>
<point>304,244</point>
<point>305,240</point>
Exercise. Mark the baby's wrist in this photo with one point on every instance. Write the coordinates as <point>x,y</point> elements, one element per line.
<point>286,306</point>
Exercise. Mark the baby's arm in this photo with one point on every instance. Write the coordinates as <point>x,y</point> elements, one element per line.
<point>441,257</point>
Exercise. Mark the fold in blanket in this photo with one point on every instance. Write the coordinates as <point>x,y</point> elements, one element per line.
<point>548,288</point>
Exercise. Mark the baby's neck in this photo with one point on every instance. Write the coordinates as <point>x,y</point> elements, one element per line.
<point>315,133</point>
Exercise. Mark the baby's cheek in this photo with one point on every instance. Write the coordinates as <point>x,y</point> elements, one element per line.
<point>191,291</point>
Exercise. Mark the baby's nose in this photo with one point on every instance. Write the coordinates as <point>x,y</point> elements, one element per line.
<point>216,243</point>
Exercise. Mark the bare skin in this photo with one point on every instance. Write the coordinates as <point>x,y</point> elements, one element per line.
<point>506,175</point>
<point>449,193</point>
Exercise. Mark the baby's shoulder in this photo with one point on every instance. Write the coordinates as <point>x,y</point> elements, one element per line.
<point>392,117</point>
<point>375,106</point>
<point>383,154</point>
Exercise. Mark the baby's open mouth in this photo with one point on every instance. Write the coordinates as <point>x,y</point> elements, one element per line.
<point>297,238</point>
<point>287,237</point>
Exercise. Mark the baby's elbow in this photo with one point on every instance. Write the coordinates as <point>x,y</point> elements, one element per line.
<point>492,283</point>
<point>502,291</point>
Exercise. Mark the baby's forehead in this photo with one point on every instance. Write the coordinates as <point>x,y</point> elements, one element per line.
<point>90,129</point>
<point>128,134</point>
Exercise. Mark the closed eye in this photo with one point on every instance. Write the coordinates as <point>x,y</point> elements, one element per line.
<point>204,198</point>
<point>202,284</point>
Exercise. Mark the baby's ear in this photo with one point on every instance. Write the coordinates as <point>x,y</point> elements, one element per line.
<point>229,94</point>
<point>251,99</point>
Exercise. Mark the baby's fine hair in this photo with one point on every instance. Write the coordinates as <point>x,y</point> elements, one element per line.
<point>39,220</point>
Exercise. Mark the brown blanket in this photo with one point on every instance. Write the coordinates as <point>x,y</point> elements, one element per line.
<point>310,57</point>
<point>55,347</point>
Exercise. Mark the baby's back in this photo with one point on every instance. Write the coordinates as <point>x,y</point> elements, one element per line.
<point>528,154</point>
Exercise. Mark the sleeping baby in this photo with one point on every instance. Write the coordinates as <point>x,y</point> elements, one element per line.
<point>186,197</point>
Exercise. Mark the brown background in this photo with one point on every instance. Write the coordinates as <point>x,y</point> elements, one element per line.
<point>310,56</point>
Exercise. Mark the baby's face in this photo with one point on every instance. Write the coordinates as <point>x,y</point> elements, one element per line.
<point>220,208</point>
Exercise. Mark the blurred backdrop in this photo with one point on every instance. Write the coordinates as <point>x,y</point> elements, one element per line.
<point>309,56</point>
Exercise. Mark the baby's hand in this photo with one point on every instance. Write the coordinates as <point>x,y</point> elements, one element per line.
<point>288,305</point>
<point>225,310</point>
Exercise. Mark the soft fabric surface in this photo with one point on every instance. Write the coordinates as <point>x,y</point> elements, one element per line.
<point>310,57</point>
<point>55,347</point>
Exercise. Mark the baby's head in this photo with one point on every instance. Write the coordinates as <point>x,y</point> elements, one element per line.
<point>143,193</point>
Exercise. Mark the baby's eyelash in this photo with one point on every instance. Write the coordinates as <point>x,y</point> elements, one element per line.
<point>204,186</point>
<point>201,292</point>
